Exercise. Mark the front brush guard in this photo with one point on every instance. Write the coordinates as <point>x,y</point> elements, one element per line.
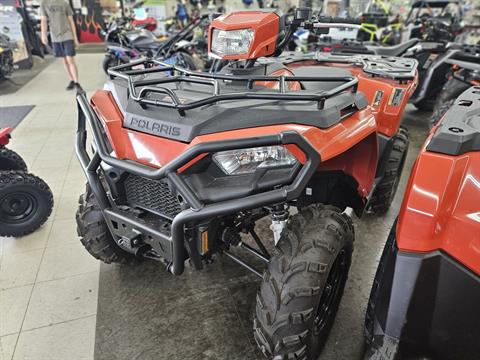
<point>198,210</point>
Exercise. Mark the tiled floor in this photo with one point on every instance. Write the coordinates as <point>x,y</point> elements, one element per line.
<point>48,283</point>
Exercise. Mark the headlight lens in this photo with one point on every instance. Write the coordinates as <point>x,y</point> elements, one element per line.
<point>231,42</point>
<point>246,161</point>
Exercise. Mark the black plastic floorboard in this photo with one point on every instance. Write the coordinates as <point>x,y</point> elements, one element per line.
<point>145,313</point>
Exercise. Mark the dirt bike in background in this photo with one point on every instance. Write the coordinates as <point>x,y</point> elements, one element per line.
<point>121,41</point>
<point>184,49</point>
<point>463,73</point>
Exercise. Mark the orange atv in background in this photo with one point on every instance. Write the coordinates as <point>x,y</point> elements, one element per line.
<point>186,162</point>
<point>425,296</point>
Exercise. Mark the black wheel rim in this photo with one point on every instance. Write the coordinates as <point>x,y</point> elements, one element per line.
<point>16,207</point>
<point>331,291</point>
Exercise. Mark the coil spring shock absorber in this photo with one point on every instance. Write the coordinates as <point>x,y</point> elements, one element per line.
<point>279,215</point>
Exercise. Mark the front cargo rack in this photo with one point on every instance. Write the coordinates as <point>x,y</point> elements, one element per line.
<point>136,78</point>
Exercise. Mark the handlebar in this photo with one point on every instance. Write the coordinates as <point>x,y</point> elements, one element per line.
<point>337,20</point>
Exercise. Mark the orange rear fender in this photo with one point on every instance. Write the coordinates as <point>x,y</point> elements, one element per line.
<point>440,209</point>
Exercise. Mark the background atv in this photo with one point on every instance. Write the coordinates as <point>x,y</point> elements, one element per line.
<point>433,20</point>
<point>377,24</point>
<point>430,266</point>
<point>185,162</point>
<point>433,58</point>
<point>26,201</point>
<point>464,72</point>
<point>433,66</point>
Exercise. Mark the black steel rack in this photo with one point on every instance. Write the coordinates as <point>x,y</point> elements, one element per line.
<point>179,75</point>
<point>396,68</point>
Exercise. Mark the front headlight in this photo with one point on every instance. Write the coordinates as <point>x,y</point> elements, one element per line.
<point>231,42</point>
<point>246,161</point>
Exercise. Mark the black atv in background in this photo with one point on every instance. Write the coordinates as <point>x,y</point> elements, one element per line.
<point>432,53</point>
<point>443,15</point>
<point>432,70</point>
<point>464,72</point>
<point>432,66</point>
<point>6,56</point>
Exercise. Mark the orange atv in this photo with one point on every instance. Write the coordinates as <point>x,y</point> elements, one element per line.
<point>184,163</point>
<point>424,299</point>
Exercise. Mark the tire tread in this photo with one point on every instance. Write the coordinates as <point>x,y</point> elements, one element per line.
<point>295,278</point>
<point>95,235</point>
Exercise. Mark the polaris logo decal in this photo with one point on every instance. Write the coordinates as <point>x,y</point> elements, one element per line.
<point>150,126</point>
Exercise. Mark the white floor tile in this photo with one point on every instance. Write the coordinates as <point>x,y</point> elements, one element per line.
<point>73,340</point>
<point>19,269</point>
<point>63,232</point>
<point>76,186</point>
<point>46,139</point>
<point>49,159</point>
<point>13,304</point>
<point>62,300</point>
<point>67,206</point>
<point>7,345</point>
<point>34,241</point>
<point>65,261</point>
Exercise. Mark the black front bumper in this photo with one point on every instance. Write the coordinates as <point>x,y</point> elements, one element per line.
<point>169,237</point>
<point>423,305</point>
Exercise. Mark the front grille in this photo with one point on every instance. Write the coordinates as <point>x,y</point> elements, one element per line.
<point>153,195</point>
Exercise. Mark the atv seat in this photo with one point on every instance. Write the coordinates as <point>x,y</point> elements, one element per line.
<point>320,71</point>
<point>395,50</point>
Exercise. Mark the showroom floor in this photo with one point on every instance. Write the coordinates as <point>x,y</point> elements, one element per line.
<point>56,302</point>
<point>48,283</point>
